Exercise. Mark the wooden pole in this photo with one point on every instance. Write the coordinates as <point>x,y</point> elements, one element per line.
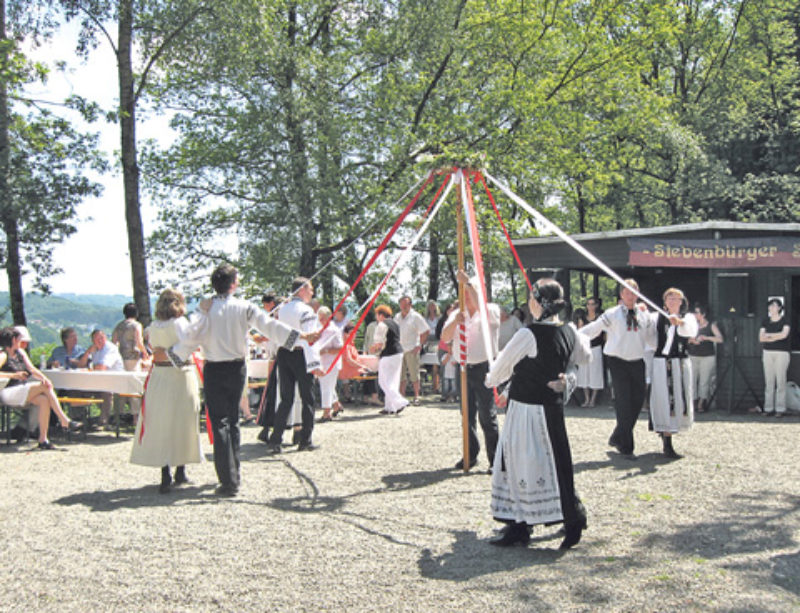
<point>462,308</point>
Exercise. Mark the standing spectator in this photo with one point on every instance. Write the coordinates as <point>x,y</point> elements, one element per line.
<point>432,316</point>
<point>508,328</point>
<point>774,339</point>
<point>387,345</point>
<point>69,353</point>
<point>627,329</point>
<point>702,353</point>
<point>480,402</point>
<point>128,336</point>
<point>413,334</point>
<point>671,406</point>
<point>591,376</point>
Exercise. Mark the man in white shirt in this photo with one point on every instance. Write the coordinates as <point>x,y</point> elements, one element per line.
<point>103,356</point>
<point>297,365</point>
<point>414,332</point>
<point>225,371</point>
<point>627,329</point>
<point>480,400</point>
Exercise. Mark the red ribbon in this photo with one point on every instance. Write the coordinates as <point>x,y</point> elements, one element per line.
<point>144,391</point>
<point>352,334</point>
<point>479,176</point>
<point>398,222</point>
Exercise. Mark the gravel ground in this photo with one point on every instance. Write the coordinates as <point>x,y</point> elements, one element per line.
<point>376,520</point>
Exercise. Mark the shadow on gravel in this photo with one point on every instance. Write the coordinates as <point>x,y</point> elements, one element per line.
<point>756,522</point>
<point>135,498</point>
<point>641,465</point>
<point>314,503</point>
<point>472,557</point>
<point>786,571</point>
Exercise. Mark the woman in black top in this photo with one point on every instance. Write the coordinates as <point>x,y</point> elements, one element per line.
<point>387,345</point>
<point>16,367</point>
<point>532,481</point>
<point>774,338</point>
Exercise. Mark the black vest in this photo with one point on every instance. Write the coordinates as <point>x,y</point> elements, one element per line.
<point>554,344</point>
<point>392,346</point>
<point>679,343</point>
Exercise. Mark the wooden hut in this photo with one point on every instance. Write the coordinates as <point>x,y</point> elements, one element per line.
<point>733,267</point>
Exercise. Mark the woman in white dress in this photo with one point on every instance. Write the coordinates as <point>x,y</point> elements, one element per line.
<point>168,433</point>
<point>532,479</point>
<point>671,387</point>
<point>330,341</point>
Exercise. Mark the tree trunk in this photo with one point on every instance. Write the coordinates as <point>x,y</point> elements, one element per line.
<point>130,165</point>
<point>433,268</point>
<point>15,295</point>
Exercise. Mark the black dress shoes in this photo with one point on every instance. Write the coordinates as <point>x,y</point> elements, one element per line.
<point>273,449</point>
<point>572,533</point>
<point>513,534</point>
<point>226,491</point>
<point>309,446</point>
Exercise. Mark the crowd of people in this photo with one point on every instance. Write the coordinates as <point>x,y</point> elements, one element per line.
<point>528,364</point>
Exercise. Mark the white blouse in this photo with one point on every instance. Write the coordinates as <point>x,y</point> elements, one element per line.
<point>523,344</point>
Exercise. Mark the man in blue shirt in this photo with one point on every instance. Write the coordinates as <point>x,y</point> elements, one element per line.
<point>69,353</point>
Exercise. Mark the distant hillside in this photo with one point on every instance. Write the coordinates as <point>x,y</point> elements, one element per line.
<point>46,315</point>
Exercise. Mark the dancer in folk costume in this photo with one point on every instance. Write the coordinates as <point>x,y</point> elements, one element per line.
<point>671,403</point>
<point>167,431</point>
<point>330,342</point>
<point>533,480</point>
<point>297,368</point>
<point>390,366</point>
<point>627,329</point>
<point>225,372</point>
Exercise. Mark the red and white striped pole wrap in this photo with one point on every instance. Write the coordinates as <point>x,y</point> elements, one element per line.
<point>462,344</point>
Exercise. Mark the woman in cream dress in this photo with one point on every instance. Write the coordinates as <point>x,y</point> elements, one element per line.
<point>167,433</point>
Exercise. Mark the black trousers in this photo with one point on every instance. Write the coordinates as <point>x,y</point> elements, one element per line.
<point>628,381</point>
<point>223,383</point>
<point>271,396</point>
<point>291,367</point>
<point>480,403</point>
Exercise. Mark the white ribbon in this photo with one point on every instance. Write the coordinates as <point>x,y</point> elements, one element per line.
<point>548,225</point>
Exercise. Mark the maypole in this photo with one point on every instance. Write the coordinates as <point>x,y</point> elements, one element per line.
<point>462,341</point>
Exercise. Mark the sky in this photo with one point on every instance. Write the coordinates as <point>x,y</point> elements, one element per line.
<point>94,259</point>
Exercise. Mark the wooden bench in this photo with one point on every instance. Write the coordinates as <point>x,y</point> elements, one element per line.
<point>68,403</point>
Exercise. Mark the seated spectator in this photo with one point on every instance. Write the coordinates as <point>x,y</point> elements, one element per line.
<point>16,367</point>
<point>103,356</point>
<point>68,355</point>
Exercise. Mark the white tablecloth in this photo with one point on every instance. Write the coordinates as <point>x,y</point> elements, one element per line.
<point>427,359</point>
<point>258,369</point>
<point>116,381</point>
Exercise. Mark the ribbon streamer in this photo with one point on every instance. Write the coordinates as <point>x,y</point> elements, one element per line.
<point>548,225</point>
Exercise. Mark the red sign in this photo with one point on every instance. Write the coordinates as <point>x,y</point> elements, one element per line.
<point>763,252</point>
